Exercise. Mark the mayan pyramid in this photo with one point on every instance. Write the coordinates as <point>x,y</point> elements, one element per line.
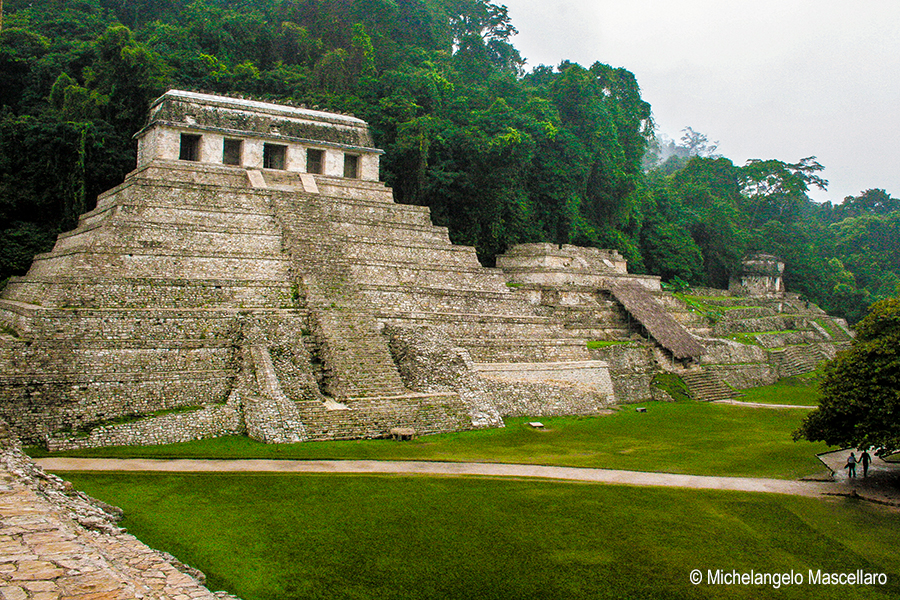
<point>239,280</point>
<point>253,276</point>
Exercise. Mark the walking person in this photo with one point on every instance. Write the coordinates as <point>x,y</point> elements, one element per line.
<point>865,459</point>
<point>851,466</point>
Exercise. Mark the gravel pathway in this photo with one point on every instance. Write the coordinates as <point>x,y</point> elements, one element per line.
<point>763,404</point>
<point>746,484</point>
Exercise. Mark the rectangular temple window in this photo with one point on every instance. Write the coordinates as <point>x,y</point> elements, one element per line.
<point>190,147</point>
<point>273,156</point>
<point>351,166</point>
<point>231,152</point>
<point>315,161</point>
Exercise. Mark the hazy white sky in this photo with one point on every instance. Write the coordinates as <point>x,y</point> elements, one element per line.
<point>782,79</point>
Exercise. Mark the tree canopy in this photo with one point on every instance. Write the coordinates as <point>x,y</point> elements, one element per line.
<point>860,404</point>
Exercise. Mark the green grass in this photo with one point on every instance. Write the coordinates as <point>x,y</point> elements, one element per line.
<point>826,326</point>
<point>802,390</point>
<point>699,297</point>
<point>750,339</point>
<point>681,437</point>
<point>595,344</point>
<point>673,385</point>
<point>696,303</point>
<point>706,303</point>
<point>281,537</point>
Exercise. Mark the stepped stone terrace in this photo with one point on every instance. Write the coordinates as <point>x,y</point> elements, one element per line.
<point>252,276</point>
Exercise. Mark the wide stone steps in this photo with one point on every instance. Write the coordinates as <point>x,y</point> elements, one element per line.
<point>148,264</point>
<point>192,240</point>
<point>136,293</point>
<point>759,324</point>
<point>789,338</point>
<point>400,300</point>
<point>82,376</point>
<point>653,317</point>
<point>595,320</point>
<point>380,231</point>
<point>755,312</point>
<point>359,190</point>
<point>110,360</point>
<point>257,217</point>
<point>511,350</point>
<point>375,416</point>
<point>355,358</point>
<point>737,301</point>
<point>605,333</point>
<point>706,386</point>
<point>838,334</point>
<point>140,192</point>
<point>429,275</point>
<point>796,360</point>
<point>461,325</point>
<point>346,210</point>
<point>410,255</point>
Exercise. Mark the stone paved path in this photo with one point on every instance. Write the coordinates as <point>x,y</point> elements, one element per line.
<point>746,484</point>
<point>56,543</point>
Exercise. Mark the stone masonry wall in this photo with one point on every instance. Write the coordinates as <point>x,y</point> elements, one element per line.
<point>210,421</point>
<point>426,361</point>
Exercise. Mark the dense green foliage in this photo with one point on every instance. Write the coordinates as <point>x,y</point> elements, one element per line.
<point>860,406</point>
<point>678,437</point>
<point>564,154</point>
<point>399,537</point>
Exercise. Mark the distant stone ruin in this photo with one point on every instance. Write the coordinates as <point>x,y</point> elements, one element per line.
<point>252,276</point>
<point>760,276</point>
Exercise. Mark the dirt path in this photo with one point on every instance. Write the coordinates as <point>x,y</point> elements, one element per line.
<point>745,484</point>
<point>763,404</point>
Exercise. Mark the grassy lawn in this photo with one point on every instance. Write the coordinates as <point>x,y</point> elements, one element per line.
<point>801,390</point>
<point>750,339</point>
<point>279,537</point>
<point>682,437</point>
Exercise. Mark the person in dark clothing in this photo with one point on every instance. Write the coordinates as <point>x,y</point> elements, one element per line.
<point>865,459</point>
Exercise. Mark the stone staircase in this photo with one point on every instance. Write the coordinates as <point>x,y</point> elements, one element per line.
<point>706,386</point>
<point>796,360</point>
<point>373,417</point>
<point>356,361</point>
<point>272,417</point>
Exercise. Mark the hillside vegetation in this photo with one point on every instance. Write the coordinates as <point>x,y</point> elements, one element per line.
<point>563,154</point>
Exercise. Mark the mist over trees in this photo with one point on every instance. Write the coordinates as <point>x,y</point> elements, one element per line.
<point>564,154</point>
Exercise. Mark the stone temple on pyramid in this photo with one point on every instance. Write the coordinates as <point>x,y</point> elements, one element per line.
<point>253,276</point>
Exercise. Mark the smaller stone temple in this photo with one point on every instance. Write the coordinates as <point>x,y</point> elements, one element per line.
<point>760,276</point>
<point>253,276</point>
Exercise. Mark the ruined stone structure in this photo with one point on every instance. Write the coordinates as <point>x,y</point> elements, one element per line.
<point>252,275</point>
<point>760,276</point>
